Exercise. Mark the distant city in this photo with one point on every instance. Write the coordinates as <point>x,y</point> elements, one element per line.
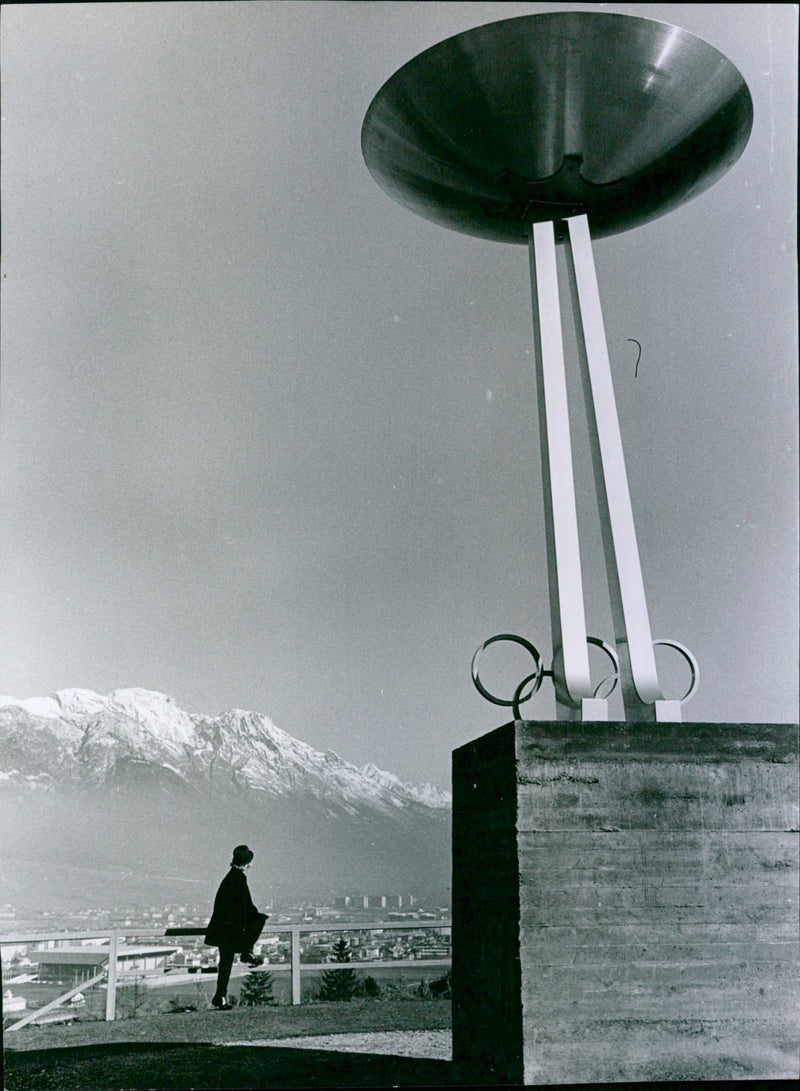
<point>359,909</point>
<point>66,958</point>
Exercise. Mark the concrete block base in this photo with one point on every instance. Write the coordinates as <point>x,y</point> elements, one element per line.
<point>625,903</point>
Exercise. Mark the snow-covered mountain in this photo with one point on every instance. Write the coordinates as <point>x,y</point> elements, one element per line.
<point>131,775</point>
<point>77,736</point>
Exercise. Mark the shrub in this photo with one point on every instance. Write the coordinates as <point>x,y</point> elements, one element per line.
<point>438,989</point>
<point>398,990</point>
<point>369,988</point>
<point>442,987</point>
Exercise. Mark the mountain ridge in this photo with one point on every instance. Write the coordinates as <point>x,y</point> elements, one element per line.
<point>153,726</point>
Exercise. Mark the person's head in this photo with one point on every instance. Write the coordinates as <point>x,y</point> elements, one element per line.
<point>242,856</point>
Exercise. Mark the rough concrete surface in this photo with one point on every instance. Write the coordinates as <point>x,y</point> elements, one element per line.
<point>643,879</point>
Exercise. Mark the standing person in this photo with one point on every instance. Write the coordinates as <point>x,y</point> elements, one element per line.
<point>235,924</point>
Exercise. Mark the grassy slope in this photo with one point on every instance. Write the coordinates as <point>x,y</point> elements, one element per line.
<point>178,1051</point>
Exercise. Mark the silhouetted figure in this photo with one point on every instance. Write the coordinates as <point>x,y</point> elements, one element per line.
<point>235,924</point>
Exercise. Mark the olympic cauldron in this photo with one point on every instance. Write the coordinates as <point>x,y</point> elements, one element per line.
<point>557,128</point>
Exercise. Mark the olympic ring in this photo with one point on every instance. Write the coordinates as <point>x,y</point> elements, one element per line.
<point>693,667</point>
<point>535,678</point>
<point>612,655</point>
<point>539,673</point>
<point>562,694</point>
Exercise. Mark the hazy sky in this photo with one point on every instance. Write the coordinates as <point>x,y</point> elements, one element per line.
<point>270,440</point>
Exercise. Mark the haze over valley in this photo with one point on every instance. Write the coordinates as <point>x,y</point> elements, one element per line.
<point>128,799</point>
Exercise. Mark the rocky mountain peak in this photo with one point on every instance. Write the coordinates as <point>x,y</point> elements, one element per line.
<point>238,749</point>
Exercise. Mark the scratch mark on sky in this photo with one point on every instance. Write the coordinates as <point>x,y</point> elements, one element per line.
<point>638,358</point>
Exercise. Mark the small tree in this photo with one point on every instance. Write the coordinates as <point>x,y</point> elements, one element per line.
<point>339,984</point>
<point>256,990</point>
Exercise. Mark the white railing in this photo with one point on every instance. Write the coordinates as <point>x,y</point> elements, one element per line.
<point>109,967</point>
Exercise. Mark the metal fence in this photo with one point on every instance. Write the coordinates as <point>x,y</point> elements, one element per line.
<point>108,970</point>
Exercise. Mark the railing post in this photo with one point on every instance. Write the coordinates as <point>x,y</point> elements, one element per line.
<point>111,991</point>
<point>294,959</point>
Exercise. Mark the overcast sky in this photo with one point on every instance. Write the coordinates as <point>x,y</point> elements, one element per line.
<point>270,441</point>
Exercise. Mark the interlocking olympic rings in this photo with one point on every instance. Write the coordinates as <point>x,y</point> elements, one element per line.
<point>535,679</point>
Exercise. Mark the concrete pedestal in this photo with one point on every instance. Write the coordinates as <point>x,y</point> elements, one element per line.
<point>625,903</point>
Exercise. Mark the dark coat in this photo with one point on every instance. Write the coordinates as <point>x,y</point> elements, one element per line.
<point>234,913</point>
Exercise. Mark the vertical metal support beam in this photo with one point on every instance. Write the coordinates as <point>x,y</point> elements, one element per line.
<point>568,621</point>
<point>294,959</point>
<point>640,686</point>
<point>111,985</point>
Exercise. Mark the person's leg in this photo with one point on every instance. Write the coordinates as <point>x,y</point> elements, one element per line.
<point>223,974</point>
<point>251,933</point>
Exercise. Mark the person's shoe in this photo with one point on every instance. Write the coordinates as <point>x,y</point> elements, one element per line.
<point>249,959</point>
<point>220,1003</point>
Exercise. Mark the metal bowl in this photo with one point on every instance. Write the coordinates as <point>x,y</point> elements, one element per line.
<point>547,116</point>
